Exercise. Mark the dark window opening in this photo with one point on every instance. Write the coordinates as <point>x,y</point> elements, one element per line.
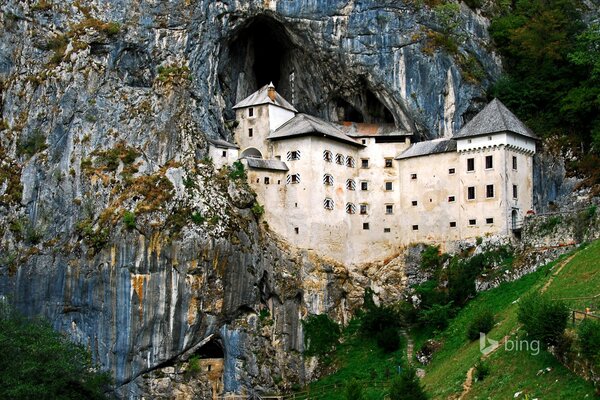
<point>470,164</point>
<point>489,220</point>
<point>389,162</point>
<point>297,230</point>
<point>386,230</point>
<point>390,139</point>
<point>364,163</point>
<point>453,224</point>
<point>451,199</point>
<point>414,202</point>
<point>224,154</point>
<point>413,176</point>
<point>515,192</point>
<point>451,171</point>
<point>389,209</point>
<point>366,226</point>
<point>389,186</point>
<point>267,180</point>
<point>472,222</point>
<point>489,191</point>
<point>415,227</point>
<point>471,193</point>
<point>514,163</point>
<point>250,132</point>
<point>251,112</point>
<point>489,162</point>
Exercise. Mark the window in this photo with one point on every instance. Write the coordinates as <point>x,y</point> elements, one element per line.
<point>451,171</point>
<point>251,112</point>
<point>350,162</point>
<point>489,191</point>
<point>453,224</point>
<point>389,186</point>
<point>413,176</point>
<point>250,132</point>
<point>515,192</point>
<point>327,156</point>
<point>389,209</point>
<point>489,162</point>
<point>364,163</point>
<point>489,220</point>
<point>472,222</point>
<point>295,178</point>
<point>389,162</point>
<point>471,193</point>
<point>279,181</point>
<point>364,141</point>
<point>297,230</point>
<point>293,155</point>
<point>489,138</point>
<point>339,159</point>
<point>327,180</point>
<point>415,227</point>
<point>386,230</point>
<point>514,162</point>
<point>350,184</point>
<point>364,185</point>
<point>414,202</point>
<point>470,164</point>
<point>328,204</point>
<point>224,154</point>
<point>451,199</point>
<point>267,180</point>
<point>366,226</point>
<point>364,208</point>
<point>350,208</point>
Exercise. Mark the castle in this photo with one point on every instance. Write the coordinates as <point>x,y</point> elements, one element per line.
<point>359,192</point>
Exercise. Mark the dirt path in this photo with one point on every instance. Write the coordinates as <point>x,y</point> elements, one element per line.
<point>410,346</point>
<point>555,273</point>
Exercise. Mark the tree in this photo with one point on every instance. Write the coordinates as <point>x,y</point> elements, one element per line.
<point>38,362</point>
<point>407,387</point>
<point>543,319</point>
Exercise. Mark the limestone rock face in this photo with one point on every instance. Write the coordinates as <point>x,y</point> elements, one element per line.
<point>114,225</point>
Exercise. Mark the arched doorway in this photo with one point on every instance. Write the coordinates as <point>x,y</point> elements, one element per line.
<point>251,152</point>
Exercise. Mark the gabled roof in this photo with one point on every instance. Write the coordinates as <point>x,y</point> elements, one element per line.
<point>303,124</point>
<point>494,118</point>
<point>428,147</point>
<point>222,144</point>
<point>259,163</point>
<point>360,129</point>
<point>261,96</point>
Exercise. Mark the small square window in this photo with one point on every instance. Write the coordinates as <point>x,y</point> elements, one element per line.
<point>386,230</point>
<point>451,171</point>
<point>251,112</point>
<point>364,163</point>
<point>489,191</point>
<point>471,193</point>
<point>489,220</point>
<point>297,230</point>
<point>451,199</point>
<point>515,192</point>
<point>224,154</point>
<point>413,176</point>
<point>364,185</point>
<point>472,222</point>
<point>415,227</point>
<point>389,162</point>
<point>389,209</point>
<point>364,141</point>
<point>470,164</point>
<point>366,226</point>
<point>489,162</point>
<point>414,202</point>
<point>363,209</point>
<point>267,180</point>
<point>514,163</point>
<point>389,186</point>
<point>453,224</point>
<point>250,132</point>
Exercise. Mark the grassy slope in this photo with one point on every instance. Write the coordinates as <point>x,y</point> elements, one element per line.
<point>509,371</point>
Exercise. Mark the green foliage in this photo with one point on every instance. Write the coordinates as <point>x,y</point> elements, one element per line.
<point>431,258</point>
<point>95,238</point>
<point>543,319</point>
<point>549,224</point>
<point>407,387</point>
<point>583,221</point>
<point>32,144</point>
<point>197,218</point>
<point>321,335</point>
<point>483,322</point>
<point>437,316</point>
<point>588,335</point>
<point>388,339</point>
<point>354,390</point>
<point>482,369</point>
<point>37,362</point>
<point>129,220</point>
<point>257,209</point>
<point>194,365</point>
<point>237,171</point>
<point>173,72</point>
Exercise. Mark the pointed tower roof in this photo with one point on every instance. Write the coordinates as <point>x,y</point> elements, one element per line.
<point>494,118</point>
<point>261,96</point>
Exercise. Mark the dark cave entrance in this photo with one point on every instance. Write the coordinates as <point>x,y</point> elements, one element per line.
<point>315,80</point>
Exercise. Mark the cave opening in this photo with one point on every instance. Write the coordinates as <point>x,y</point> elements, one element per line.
<point>212,349</point>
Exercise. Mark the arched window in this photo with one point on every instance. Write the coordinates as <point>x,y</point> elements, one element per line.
<point>350,208</point>
<point>328,156</point>
<point>350,184</point>
<point>350,162</point>
<point>293,155</point>
<point>328,203</point>
<point>339,159</point>
<point>327,180</point>
<point>294,178</point>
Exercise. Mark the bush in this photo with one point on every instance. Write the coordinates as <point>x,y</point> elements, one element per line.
<point>483,322</point>
<point>388,340</point>
<point>407,387</point>
<point>197,218</point>
<point>378,319</point>
<point>431,258</point>
<point>354,390</point>
<point>543,319</point>
<point>237,171</point>
<point>437,315</point>
<point>129,220</point>
<point>32,144</point>
<point>258,210</point>
<point>321,335</point>
<point>482,369</point>
<point>588,334</point>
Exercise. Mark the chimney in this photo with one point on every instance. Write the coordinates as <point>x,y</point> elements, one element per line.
<point>271,91</point>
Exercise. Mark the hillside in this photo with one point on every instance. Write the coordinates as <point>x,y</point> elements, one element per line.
<point>538,376</point>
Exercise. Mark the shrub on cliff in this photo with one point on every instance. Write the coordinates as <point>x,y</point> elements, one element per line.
<point>543,319</point>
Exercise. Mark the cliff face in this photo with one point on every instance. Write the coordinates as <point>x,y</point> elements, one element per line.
<point>113,223</point>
